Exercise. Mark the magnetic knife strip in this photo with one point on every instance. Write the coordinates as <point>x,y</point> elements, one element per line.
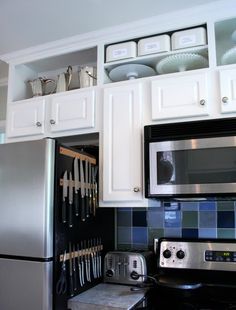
<point>85,264</point>
<point>80,192</point>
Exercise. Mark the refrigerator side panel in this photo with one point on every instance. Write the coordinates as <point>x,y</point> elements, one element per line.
<point>25,285</point>
<point>26,191</point>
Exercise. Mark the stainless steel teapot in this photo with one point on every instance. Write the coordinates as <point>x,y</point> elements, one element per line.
<point>64,80</point>
<point>38,86</point>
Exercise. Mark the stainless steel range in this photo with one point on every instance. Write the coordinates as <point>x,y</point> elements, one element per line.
<point>196,274</point>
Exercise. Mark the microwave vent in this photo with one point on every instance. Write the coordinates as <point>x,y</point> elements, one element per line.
<point>195,129</point>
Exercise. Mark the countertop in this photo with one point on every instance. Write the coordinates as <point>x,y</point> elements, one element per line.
<point>106,297</point>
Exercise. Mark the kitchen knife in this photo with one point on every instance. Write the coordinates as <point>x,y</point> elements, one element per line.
<point>76,179</point>
<point>82,191</point>
<point>71,271</point>
<point>90,187</point>
<point>74,270</point>
<point>79,266</point>
<point>99,257</point>
<point>96,188</point>
<point>93,258</point>
<point>82,263</point>
<point>70,201</point>
<point>86,188</point>
<point>64,196</point>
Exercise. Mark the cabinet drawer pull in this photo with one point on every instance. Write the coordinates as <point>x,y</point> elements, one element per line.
<point>38,124</point>
<point>202,102</point>
<point>52,122</point>
<point>136,189</point>
<point>225,99</point>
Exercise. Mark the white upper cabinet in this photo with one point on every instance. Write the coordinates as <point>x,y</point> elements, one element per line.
<point>74,110</point>
<point>51,115</point>
<point>122,147</point>
<point>228,89</point>
<point>177,96</point>
<point>26,118</point>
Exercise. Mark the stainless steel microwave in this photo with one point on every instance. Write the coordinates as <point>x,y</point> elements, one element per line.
<point>191,159</point>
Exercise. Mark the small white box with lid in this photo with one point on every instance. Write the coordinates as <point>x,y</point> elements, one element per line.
<point>153,45</point>
<point>188,38</point>
<point>121,51</point>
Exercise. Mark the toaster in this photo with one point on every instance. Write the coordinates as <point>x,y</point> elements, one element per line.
<point>124,267</point>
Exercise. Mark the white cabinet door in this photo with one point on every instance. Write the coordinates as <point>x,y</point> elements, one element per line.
<point>74,110</point>
<point>179,96</point>
<point>122,150</point>
<point>228,90</point>
<point>26,118</point>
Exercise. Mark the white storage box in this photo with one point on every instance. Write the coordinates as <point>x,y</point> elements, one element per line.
<point>121,51</point>
<point>188,38</point>
<point>155,44</point>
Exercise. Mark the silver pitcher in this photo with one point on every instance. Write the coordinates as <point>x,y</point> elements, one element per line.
<point>38,86</point>
<point>87,76</point>
<point>64,80</point>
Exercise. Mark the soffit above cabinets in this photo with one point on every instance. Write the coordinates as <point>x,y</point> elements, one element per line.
<point>39,22</point>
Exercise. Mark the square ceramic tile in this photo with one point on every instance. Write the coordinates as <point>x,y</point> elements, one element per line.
<point>140,235</point>
<point>172,219</point>
<point>207,206</point>
<point>155,219</point>
<point>189,206</point>
<point>225,219</point>
<point>207,233</point>
<point>225,233</point>
<point>225,205</point>
<point>124,235</point>
<point>207,219</point>
<point>189,219</point>
<point>173,232</point>
<point>124,218</point>
<point>140,218</point>
<point>190,233</point>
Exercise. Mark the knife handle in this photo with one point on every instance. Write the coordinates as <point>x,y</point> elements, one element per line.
<point>71,286</point>
<point>76,204</point>
<point>63,211</point>
<point>74,280</point>
<point>87,205</point>
<point>70,215</point>
<point>83,215</point>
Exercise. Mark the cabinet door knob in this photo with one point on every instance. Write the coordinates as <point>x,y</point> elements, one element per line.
<point>202,102</point>
<point>52,122</point>
<point>38,124</point>
<point>225,99</point>
<point>136,189</point>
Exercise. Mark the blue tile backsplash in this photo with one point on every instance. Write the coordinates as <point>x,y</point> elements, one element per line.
<point>137,227</point>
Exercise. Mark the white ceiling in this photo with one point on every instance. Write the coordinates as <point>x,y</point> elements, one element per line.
<point>27,23</point>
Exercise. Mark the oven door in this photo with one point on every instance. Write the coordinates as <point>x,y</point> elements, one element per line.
<point>193,167</point>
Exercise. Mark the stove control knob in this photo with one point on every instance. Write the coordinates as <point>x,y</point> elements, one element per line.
<point>134,275</point>
<point>109,273</point>
<point>180,254</point>
<point>167,253</point>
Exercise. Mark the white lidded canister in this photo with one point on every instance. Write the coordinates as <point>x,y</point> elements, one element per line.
<point>156,44</point>
<point>189,38</point>
<point>121,51</point>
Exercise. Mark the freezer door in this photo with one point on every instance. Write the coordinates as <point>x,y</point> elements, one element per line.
<point>26,198</point>
<point>25,285</point>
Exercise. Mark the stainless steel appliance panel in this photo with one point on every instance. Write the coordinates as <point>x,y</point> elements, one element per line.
<point>26,191</point>
<point>25,285</point>
<point>193,255</point>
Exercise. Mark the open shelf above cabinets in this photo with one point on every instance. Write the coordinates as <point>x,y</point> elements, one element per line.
<point>225,38</point>
<point>48,71</point>
<point>174,51</point>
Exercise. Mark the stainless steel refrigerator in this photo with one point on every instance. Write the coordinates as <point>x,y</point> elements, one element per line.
<point>33,234</point>
<point>26,225</point>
